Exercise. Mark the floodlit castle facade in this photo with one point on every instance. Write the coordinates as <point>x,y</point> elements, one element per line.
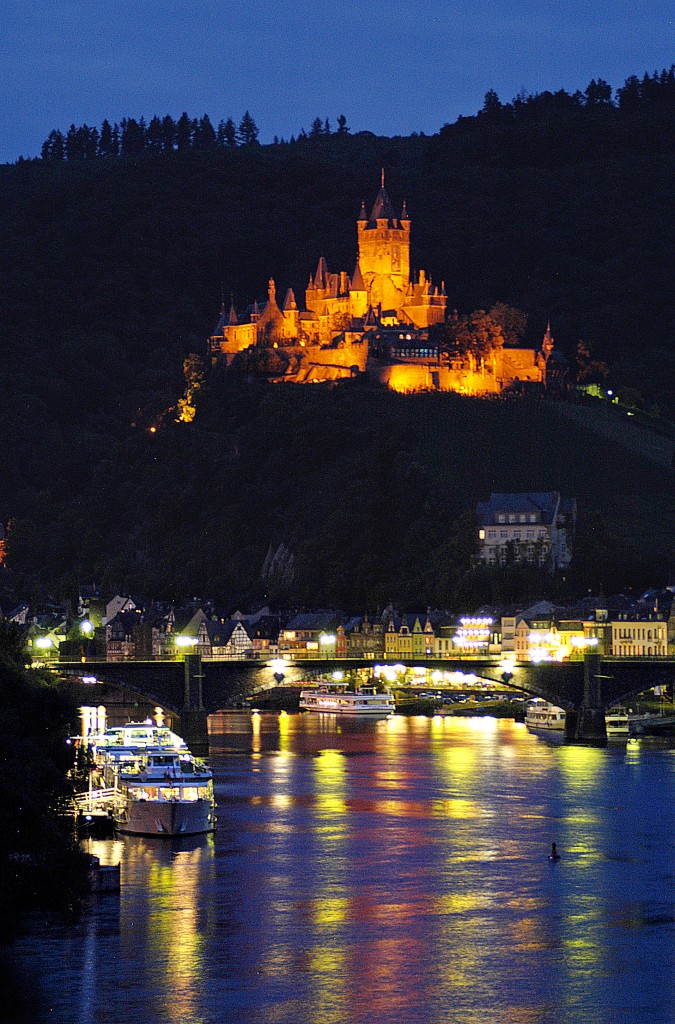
<point>374,321</point>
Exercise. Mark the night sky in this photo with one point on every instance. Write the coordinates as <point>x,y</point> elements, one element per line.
<point>391,68</point>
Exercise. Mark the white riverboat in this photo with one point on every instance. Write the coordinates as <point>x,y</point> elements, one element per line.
<point>164,792</point>
<point>337,699</point>
<point>541,715</point>
<point>616,723</point>
<point>545,717</point>
<point>150,782</point>
<point>136,736</point>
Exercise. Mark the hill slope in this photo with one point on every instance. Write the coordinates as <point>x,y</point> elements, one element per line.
<point>111,271</point>
<point>372,492</point>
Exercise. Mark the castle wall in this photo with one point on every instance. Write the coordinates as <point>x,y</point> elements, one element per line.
<point>432,376</point>
<point>518,364</point>
<point>347,355</point>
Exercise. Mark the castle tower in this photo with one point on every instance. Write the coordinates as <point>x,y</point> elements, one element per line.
<point>384,252</point>
<point>358,294</point>
<point>270,324</point>
<point>291,315</point>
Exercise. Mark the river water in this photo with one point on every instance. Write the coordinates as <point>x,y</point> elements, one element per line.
<point>387,871</point>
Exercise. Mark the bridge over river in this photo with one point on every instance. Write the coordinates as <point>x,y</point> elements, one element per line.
<point>192,688</point>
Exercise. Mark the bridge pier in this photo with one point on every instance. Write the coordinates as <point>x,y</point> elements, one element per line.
<point>193,715</point>
<point>586,724</point>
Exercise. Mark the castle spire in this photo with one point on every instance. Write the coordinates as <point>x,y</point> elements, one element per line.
<point>404,211</point>
<point>383,177</point>
<point>357,284</point>
<point>362,214</point>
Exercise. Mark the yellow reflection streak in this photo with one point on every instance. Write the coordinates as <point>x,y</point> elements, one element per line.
<point>176,936</point>
<point>328,912</point>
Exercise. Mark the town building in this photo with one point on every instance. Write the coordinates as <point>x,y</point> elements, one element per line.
<point>535,528</point>
<point>365,639</point>
<point>218,640</point>
<point>634,637</point>
<point>374,320</point>
<point>314,635</point>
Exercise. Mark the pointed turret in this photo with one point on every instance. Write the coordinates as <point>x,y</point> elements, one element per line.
<point>233,315</point>
<point>222,321</point>
<point>371,319</point>
<point>383,210</point>
<point>548,341</point>
<point>358,293</point>
<point>289,301</point>
<point>404,212</point>
<point>272,292</point>
<point>362,213</point>
<point>321,276</point>
<point>357,282</point>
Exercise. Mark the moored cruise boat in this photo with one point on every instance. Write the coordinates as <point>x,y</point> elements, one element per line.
<point>151,783</point>
<point>616,722</point>
<point>547,717</point>
<point>337,699</point>
<point>136,736</point>
<point>166,793</point>
<point>542,715</point>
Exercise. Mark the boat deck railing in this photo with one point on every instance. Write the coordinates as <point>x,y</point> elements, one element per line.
<point>96,800</point>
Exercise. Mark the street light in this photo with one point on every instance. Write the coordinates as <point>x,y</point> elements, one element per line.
<point>186,641</point>
<point>327,640</point>
<point>278,666</point>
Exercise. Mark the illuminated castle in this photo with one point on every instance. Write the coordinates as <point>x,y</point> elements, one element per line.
<point>375,320</point>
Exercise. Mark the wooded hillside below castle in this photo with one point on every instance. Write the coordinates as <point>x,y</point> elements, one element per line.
<point>111,269</point>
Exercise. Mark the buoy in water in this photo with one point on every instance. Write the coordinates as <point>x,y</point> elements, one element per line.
<point>554,855</point>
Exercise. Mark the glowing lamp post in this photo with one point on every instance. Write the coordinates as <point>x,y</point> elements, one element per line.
<point>326,641</point>
<point>278,666</point>
<point>185,644</point>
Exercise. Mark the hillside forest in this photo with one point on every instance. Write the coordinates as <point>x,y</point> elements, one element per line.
<point>117,248</point>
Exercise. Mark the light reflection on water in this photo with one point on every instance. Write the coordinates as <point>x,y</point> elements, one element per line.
<point>389,871</point>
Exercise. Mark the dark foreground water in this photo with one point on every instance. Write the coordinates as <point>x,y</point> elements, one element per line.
<point>390,871</point>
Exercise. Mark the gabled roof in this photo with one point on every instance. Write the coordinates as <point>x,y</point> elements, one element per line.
<point>315,620</point>
<point>219,633</point>
<point>544,503</point>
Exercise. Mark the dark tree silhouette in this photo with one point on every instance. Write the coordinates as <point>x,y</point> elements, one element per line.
<point>247,133</point>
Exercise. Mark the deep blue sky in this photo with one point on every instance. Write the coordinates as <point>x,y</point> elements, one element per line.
<point>392,68</point>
